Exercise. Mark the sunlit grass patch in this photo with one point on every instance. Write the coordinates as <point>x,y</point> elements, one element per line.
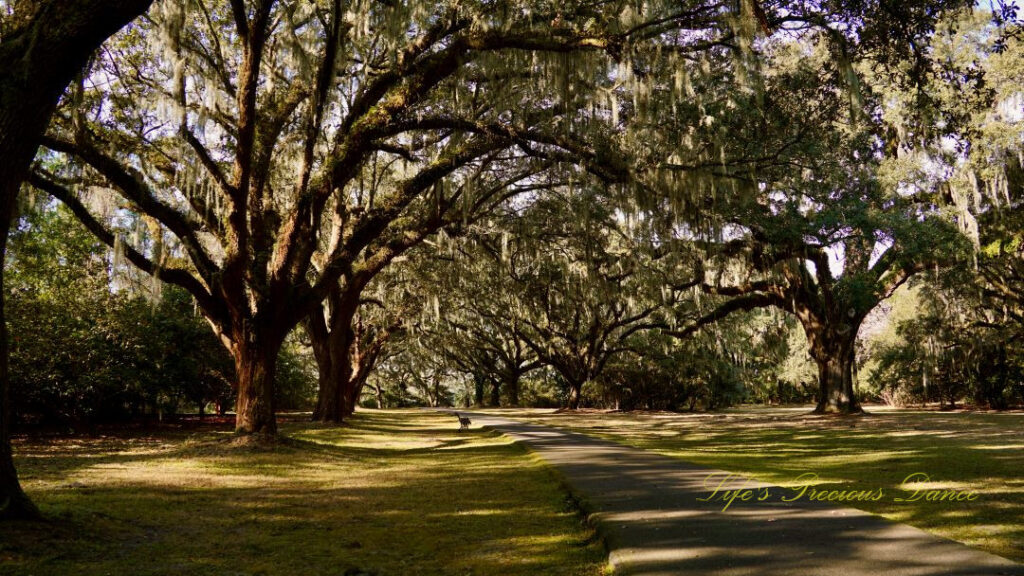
<point>967,452</point>
<point>391,493</point>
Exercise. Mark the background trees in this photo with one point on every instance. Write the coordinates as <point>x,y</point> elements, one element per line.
<point>43,45</point>
<point>91,344</point>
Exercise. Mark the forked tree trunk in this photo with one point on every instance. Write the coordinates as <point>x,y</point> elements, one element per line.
<point>335,372</point>
<point>333,352</point>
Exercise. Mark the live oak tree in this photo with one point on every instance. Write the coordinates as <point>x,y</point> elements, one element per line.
<point>43,45</point>
<point>550,278</point>
<point>856,214</point>
<point>261,121</point>
<point>338,331</point>
<point>354,330</point>
<point>966,339</point>
<point>584,282</point>
<point>479,328</point>
<point>589,92</point>
<point>264,117</point>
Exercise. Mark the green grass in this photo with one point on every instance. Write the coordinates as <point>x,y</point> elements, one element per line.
<point>393,493</point>
<point>980,452</point>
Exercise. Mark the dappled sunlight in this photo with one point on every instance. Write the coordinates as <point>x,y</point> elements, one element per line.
<point>427,497</point>
<point>976,452</point>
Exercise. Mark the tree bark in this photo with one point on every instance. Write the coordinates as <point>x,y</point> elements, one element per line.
<point>512,386</point>
<point>354,389</point>
<point>319,338</point>
<point>478,390</point>
<point>255,364</point>
<point>48,44</point>
<point>496,393</point>
<point>835,357</point>
<point>334,359</point>
<point>13,501</point>
<point>575,390</point>
<point>335,371</point>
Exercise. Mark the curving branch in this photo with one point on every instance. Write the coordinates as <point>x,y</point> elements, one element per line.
<point>132,186</point>
<point>742,303</point>
<point>178,276</point>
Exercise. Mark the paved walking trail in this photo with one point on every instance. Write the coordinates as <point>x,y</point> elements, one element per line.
<point>646,507</point>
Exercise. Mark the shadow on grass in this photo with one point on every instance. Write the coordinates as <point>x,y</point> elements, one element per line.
<point>981,452</point>
<point>445,503</point>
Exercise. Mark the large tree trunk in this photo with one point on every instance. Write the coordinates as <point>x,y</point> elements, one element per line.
<point>255,365</point>
<point>512,386</point>
<point>335,371</point>
<point>13,501</point>
<point>835,357</point>
<point>47,44</point>
<point>353,391</point>
<point>575,391</point>
<point>363,355</point>
<point>335,339</point>
<point>319,338</point>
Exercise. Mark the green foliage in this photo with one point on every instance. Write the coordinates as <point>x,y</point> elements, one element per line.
<point>296,379</point>
<point>952,351</point>
<point>85,351</point>
<point>751,356</point>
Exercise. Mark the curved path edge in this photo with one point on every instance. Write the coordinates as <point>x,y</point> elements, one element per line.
<point>648,508</point>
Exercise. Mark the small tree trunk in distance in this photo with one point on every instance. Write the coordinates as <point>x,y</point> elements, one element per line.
<point>496,393</point>
<point>478,390</point>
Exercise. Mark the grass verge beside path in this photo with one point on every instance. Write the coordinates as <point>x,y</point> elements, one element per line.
<point>393,493</point>
<point>979,452</point>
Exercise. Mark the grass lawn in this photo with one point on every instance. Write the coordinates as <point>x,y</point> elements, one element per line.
<point>397,493</point>
<point>980,452</point>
